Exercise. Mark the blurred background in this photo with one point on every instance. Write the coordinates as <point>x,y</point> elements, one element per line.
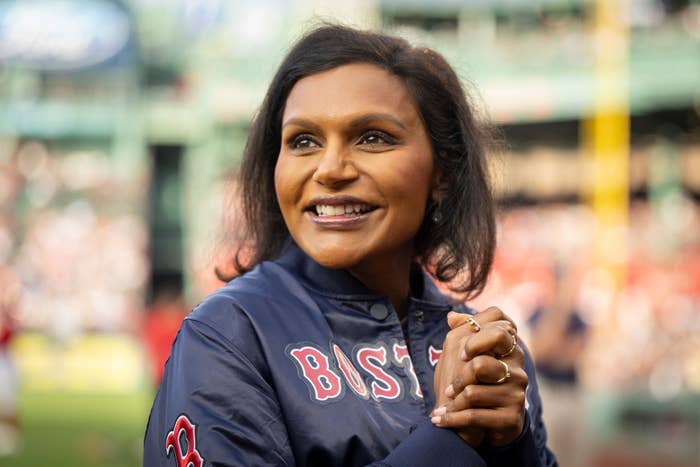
<point>122,124</point>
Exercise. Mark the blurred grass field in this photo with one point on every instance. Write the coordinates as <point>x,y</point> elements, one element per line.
<point>63,429</point>
<point>81,403</point>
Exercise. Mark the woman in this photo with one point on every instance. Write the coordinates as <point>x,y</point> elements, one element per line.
<point>364,173</point>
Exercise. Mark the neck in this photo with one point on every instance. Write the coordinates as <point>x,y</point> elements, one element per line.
<point>389,277</point>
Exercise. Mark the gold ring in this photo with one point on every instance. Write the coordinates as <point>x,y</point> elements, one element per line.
<point>473,324</point>
<point>506,376</point>
<point>512,347</point>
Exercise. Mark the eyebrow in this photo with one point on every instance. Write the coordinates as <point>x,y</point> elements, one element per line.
<point>358,122</point>
<point>301,122</point>
<point>374,117</point>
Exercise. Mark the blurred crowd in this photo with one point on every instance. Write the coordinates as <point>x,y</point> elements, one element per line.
<point>73,247</point>
<point>590,338</point>
<point>644,335</point>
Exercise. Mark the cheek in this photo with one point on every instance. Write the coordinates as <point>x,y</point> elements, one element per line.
<point>412,182</point>
<point>285,185</point>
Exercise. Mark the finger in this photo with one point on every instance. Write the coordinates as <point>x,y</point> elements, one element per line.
<point>483,396</point>
<point>455,339</point>
<point>489,370</point>
<point>493,314</point>
<point>488,419</point>
<point>456,320</point>
<point>480,369</point>
<point>492,339</point>
<point>464,376</point>
<point>504,324</point>
<point>464,396</point>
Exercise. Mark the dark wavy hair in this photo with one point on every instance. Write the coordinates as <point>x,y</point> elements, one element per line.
<point>458,248</point>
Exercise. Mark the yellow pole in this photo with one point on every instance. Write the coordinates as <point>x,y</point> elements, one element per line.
<point>605,142</point>
<point>605,136</point>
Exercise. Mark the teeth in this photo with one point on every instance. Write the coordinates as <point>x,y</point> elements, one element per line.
<point>341,210</point>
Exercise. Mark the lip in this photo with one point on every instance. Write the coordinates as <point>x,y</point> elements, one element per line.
<point>339,222</point>
<point>336,200</point>
<point>343,222</point>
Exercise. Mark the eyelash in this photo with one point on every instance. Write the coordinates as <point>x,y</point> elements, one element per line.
<point>294,142</point>
<point>385,138</point>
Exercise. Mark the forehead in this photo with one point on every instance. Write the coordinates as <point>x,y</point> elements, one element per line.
<point>350,90</point>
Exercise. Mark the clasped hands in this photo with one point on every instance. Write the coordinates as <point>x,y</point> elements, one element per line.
<point>479,380</point>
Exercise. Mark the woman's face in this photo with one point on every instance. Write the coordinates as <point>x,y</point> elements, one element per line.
<point>355,167</point>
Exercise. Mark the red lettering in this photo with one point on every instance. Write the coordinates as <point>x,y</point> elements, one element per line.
<point>403,359</point>
<point>434,355</point>
<point>373,360</point>
<point>191,458</point>
<point>315,367</point>
<point>352,376</point>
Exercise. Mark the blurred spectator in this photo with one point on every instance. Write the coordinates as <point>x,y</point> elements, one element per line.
<point>558,338</point>
<point>9,424</point>
<point>163,320</point>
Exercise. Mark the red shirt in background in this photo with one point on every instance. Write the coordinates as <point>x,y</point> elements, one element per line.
<point>161,324</point>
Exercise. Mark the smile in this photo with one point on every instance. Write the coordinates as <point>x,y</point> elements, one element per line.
<point>346,210</point>
<point>339,212</point>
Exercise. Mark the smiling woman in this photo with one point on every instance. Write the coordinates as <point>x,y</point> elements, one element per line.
<point>363,182</point>
<point>354,174</point>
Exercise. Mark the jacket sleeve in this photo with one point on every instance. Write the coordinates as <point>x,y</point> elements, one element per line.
<point>214,407</point>
<point>430,445</point>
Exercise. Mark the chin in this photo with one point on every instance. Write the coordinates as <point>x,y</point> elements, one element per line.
<point>332,258</point>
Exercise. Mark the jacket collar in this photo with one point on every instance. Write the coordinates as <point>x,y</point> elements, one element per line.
<point>340,284</point>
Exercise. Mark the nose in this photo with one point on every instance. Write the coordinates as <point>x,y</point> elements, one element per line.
<point>335,168</point>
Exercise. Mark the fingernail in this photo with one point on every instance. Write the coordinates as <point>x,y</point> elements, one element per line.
<point>450,391</point>
<point>463,355</point>
<point>440,411</point>
<point>435,420</point>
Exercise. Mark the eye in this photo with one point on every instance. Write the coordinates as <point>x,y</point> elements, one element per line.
<point>303,141</point>
<point>376,138</point>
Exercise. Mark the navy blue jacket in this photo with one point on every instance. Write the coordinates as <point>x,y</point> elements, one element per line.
<point>297,364</point>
